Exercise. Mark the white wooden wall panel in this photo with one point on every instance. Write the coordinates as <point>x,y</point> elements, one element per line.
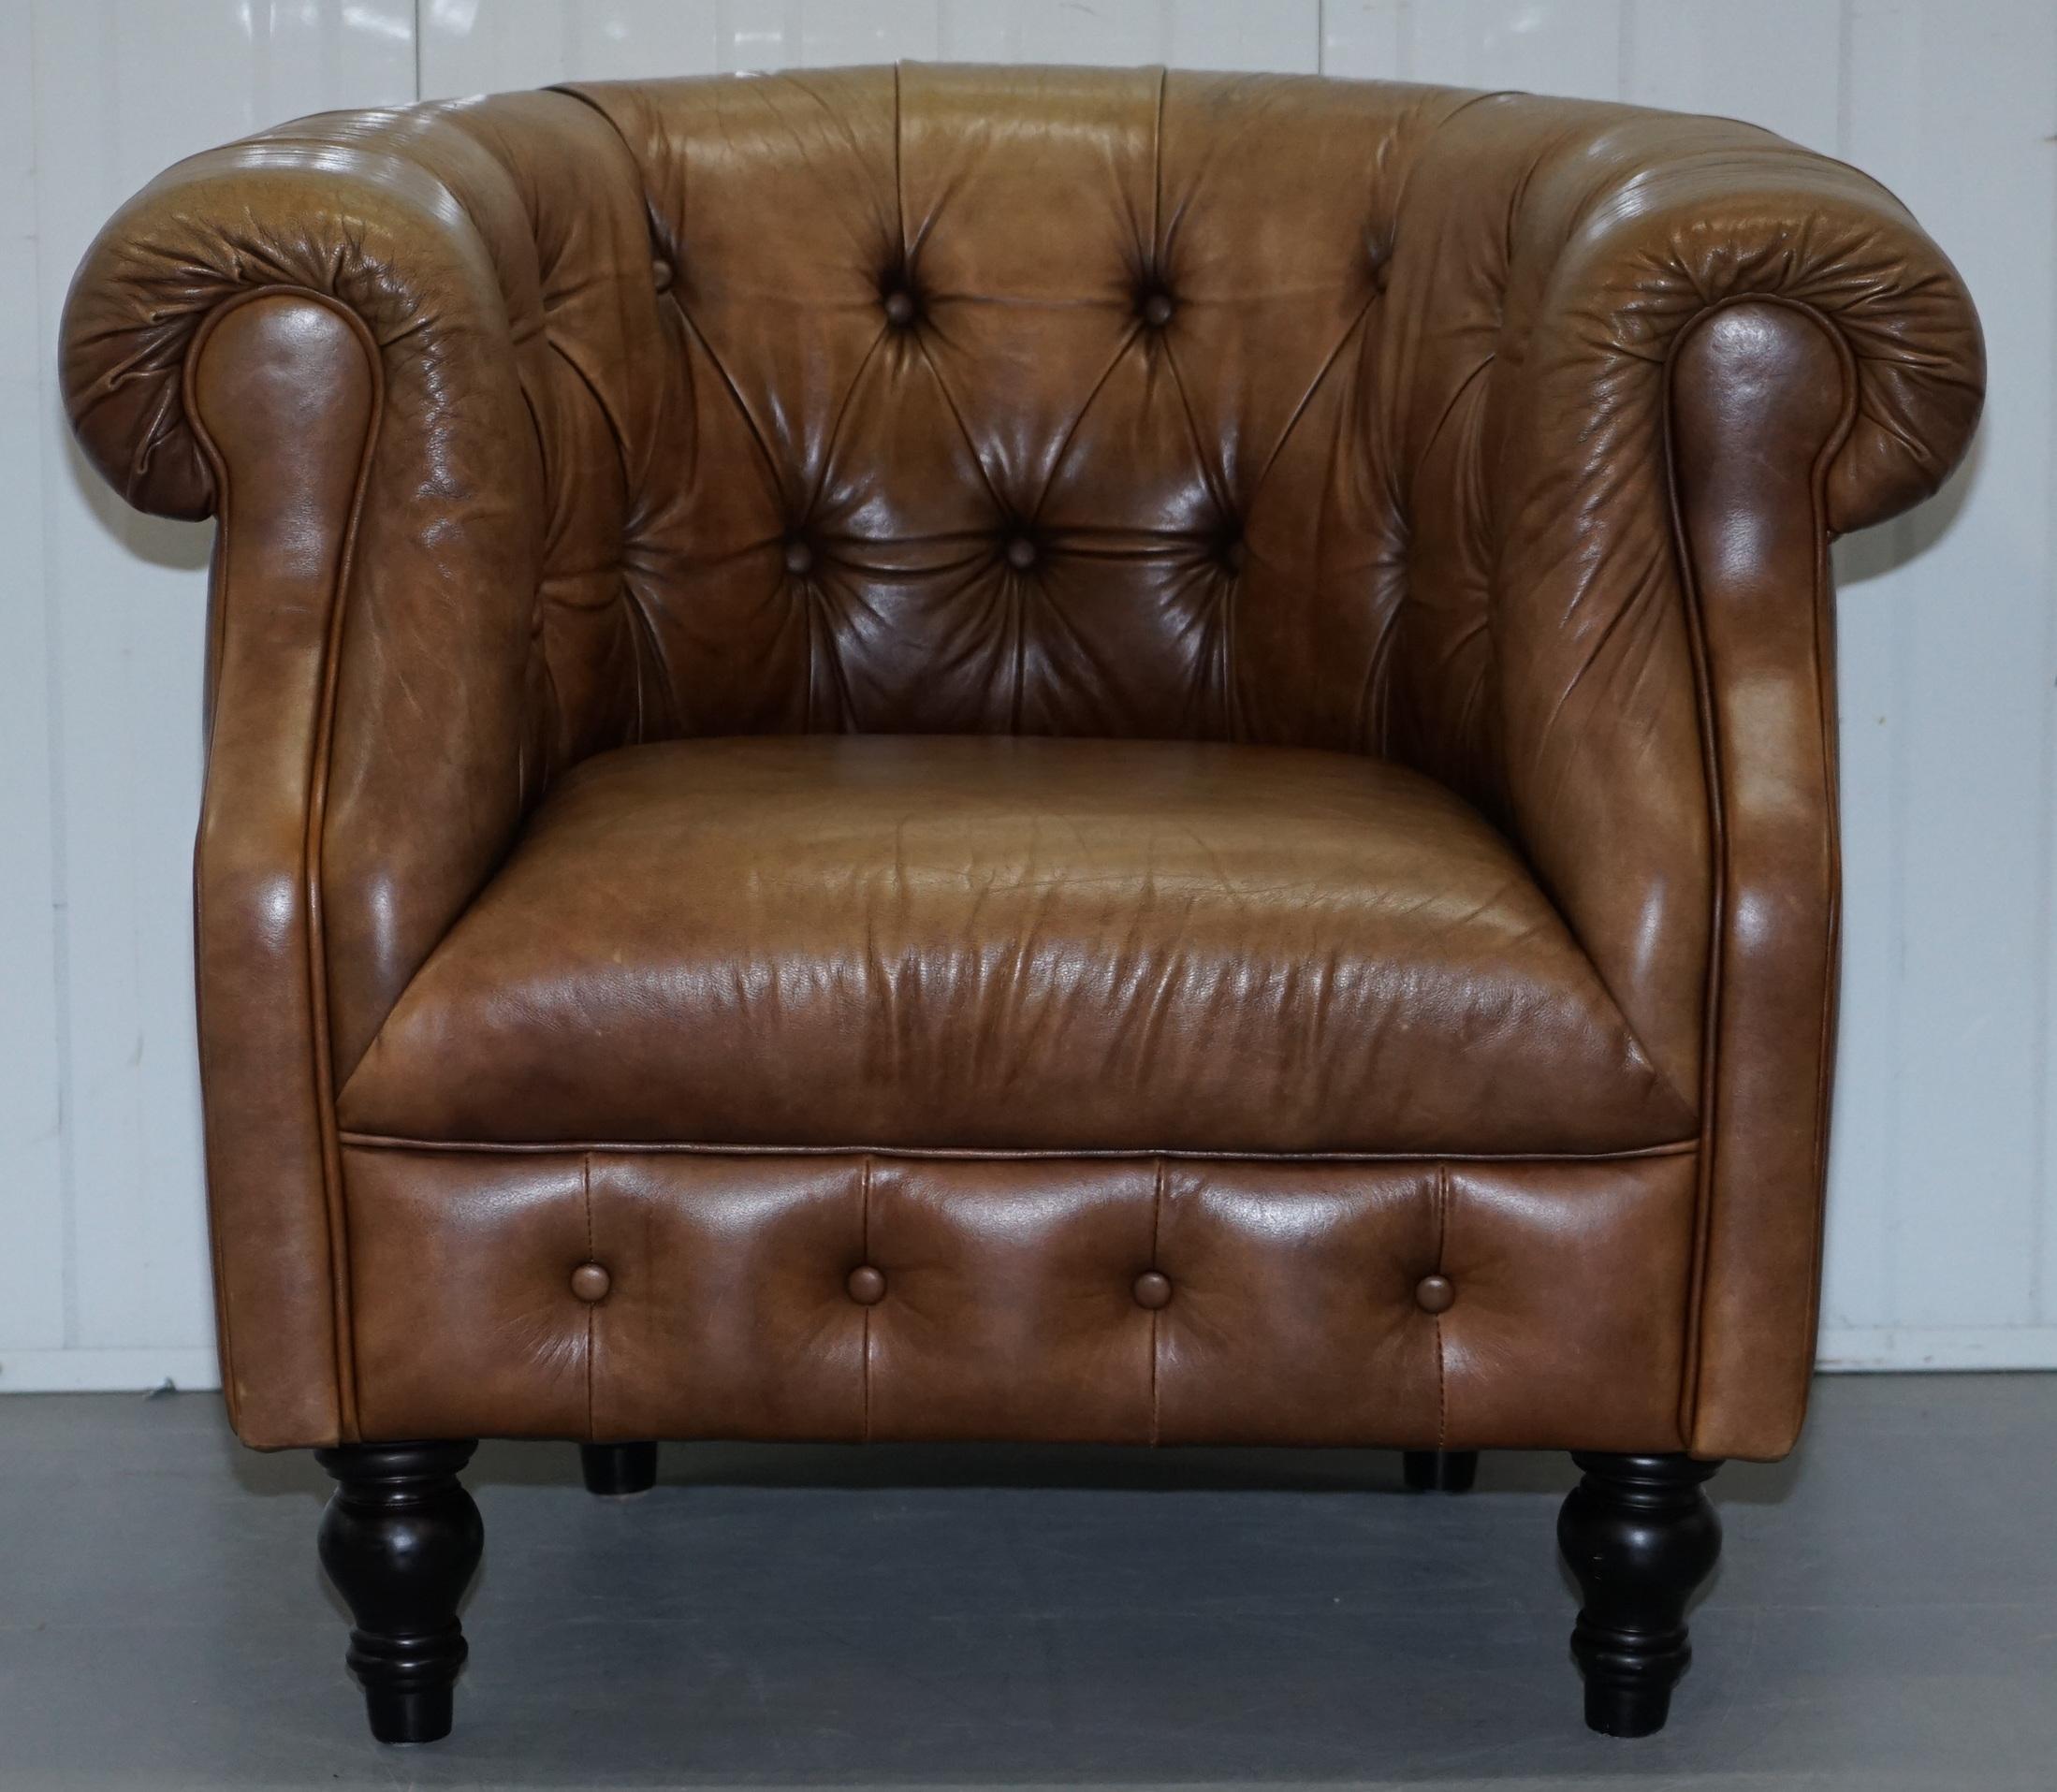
<point>1365,39</point>
<point>1549,45</point>
<point>1951,710</point>
<point>1943,1243</point>
<point>119,89</point>
<point>1716,59</point>
<point>482,46</point>
<point>32,1196</point>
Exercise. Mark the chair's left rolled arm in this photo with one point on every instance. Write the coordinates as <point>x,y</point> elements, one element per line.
<point>314,338</point>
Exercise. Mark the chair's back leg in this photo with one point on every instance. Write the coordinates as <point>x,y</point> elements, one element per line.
<point>618,1471</point>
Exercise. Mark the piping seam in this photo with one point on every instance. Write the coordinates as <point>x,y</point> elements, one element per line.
<point>1000,1154</point>
<point>864,1238</point>
<point>1156,1232</point>
<point>1690,1390</point>
<point>1443,1239</point>
<point>591,1307</point>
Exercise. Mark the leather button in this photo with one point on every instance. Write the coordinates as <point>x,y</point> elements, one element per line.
<point>1157,310</point>
<point>660,275</point>
<point>591,1282</point>
<point>867,1286</point>
<point>899,308</point>
<point>1379,253</point>
<point>1435,1294</point>
<point>1021,553</point>
<point>1153,1290</point>
<point>799,558</point>
<point>1234,555</point>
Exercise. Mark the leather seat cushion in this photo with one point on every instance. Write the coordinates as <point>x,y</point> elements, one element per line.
<point>1006,943</point>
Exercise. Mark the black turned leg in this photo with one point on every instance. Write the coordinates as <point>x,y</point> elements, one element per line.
<point>615,1471</point>
<point>1440,1471</point>
<point>1639,1535</point>
<point>400,1539</point>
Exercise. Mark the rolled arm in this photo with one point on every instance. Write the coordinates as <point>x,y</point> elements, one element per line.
<point>314,337</point>
<point>1624,229</point>
<point>1716,350</point>
<point>404,226</point>
<point>1638,222</point>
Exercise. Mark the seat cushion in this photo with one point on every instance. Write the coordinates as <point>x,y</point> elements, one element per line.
<point>1010,944</point>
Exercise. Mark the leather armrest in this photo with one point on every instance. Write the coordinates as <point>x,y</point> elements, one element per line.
<point>1639,224</point>
<point>1560,252</point>
<point>315,336</point>
<point>404,226</point>
<point>1711,350</point>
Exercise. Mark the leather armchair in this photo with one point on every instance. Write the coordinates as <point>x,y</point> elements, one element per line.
<point>1019,753</point>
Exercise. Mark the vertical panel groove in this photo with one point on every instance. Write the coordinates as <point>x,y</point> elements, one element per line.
<point>45,277</point>
<point>2044,1264</point>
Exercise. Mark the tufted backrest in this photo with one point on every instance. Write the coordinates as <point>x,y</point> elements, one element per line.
<point>950,398</point>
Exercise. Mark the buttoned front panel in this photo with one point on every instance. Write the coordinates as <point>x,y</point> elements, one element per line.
<point>464,1318</point>
<point>1565,1283</point>
<point>1011,1308</point>
<point>732,1312</point>
<point>620,1294</point>
<point>1293,1318</point>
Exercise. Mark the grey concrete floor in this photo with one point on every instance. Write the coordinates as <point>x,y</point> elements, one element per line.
<point>1885,1616</point>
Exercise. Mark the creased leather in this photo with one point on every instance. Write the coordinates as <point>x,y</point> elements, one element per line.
<point>1012,944</point>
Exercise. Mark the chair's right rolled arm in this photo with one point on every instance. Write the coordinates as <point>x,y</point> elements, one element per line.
<point>1717,351</point>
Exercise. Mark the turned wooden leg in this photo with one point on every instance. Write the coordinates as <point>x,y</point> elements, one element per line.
<point>1639,1535</point>
<point>617,1471</point>
<point>1440,1471</point>
<point>400,1539</point>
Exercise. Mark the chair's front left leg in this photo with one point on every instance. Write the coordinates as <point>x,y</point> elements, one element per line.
<point>1639,1534</point>
<point>400,1540</point>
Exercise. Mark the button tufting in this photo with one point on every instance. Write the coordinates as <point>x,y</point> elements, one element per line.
<point>1153,1290</point>
<point>1157,310</point>
<point>1021,553</point>
<point>866,1285</point>
<point>1379,253</point>
<point>899,308</point>
<point>1234,555</point>
<point>660,275</point>
<point>1435,1294</point>
<point>799,558</point>
<point>591,1282</point>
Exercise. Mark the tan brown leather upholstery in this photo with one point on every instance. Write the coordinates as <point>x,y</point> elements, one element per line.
<point>1406,507</point>
<point>1009,1304</point>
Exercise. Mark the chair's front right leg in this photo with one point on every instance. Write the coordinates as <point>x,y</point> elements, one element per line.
<point>1639,1535</point>
<point>400,1539</point>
